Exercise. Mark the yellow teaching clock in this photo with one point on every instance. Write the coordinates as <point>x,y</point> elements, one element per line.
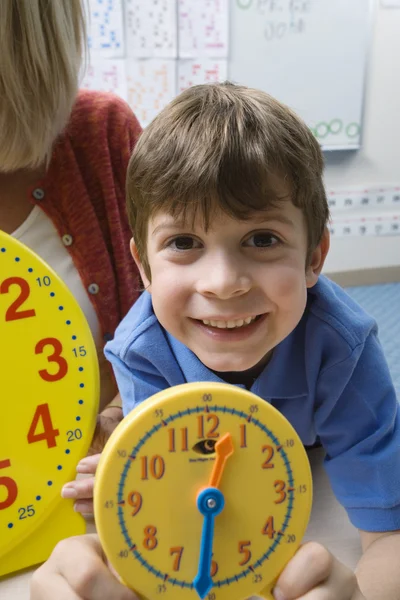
<point>202,491</point>
<point>49,387</point>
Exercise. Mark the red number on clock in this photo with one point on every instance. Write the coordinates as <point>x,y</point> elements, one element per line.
<point>55,357</point>
<point>49,434</point>
<point>13,313</point>
<point>9,484</point>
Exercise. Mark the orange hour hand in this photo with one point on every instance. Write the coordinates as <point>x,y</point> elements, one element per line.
<point>224,448</point>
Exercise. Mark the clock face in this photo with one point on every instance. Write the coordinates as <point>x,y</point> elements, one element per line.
<point>49,388</point>
<point>202,439</point>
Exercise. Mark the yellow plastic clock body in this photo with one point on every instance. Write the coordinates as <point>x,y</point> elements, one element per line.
<point>162,461</point>
<point>49,390</point>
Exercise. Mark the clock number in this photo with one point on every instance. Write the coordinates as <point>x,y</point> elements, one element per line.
<point>291,538</point>
<point>46,281</point>
<point>269,529</point>
<point>55,357</point>
<point>184,440</point>
<point>24,513</point>
<point>49,433</point>
<point>13,314</point>
<point>80,351</point>
<point>74,435</point>
<point>253,408</point>
<point>214,424</point>
<point>9,484</point>
<point>243,436</point>
<point>270,453</point>
<point>178,550</point>
<point>280,489</point>
<point>161,589</point>
<point>135,500</point>
<point>207,397</point>
<point>150,541</point>
<point>243,549</point>
<point>157,467</point>
<point>214,568</point>
<point>257,578</point>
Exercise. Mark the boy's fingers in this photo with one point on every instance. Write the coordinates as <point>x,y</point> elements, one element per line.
<point>85,507</point>
<point>310,566</point>
<point>76,571</point>
<point>88,465</point>
<point>81,489</point>
<point>313,574</point>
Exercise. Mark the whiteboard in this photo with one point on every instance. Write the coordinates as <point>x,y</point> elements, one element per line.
<point>309,54</point>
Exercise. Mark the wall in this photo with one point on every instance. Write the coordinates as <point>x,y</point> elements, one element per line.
<point>378,161</point>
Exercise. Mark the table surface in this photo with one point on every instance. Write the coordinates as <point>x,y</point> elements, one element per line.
<point>328,525</point>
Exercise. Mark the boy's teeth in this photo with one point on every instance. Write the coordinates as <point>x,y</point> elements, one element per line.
<point>229,324</point>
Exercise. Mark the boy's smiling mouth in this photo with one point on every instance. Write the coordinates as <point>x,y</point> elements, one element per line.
<point>230,323</point>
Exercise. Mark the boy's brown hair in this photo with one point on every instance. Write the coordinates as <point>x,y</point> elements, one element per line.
<point>214,147</point>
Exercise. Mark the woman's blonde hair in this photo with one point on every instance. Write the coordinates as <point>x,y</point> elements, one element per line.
<point>41,48</point>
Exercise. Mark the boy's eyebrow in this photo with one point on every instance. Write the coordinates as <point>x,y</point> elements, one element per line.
<point>264,218</point>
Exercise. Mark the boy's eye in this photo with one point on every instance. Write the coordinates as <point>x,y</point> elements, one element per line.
<point>184,242</point>
<point>262,240</point>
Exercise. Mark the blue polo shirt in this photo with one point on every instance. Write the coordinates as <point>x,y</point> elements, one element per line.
<point>329,378</point>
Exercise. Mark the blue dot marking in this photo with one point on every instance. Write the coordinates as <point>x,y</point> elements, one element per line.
<point>80,401</point>
<point>68,322</point>
<point>59,467</point>
<point>67,451</point>
<point>78,418</point>
<point>52,294</point>
<point>30,270</point>
<point>3,249</point>
<point>38,498</point>
<point>74,337</point>
<point>17,259</point>
<point>81,385</point>
<point>60,308</point>
<point>49,483</point>
<point>80,369</point>
<point>10,525</point>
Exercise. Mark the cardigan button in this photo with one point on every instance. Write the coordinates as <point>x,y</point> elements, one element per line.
<point>38,194</point>
<point>93,288</point>
<point>67,239</point>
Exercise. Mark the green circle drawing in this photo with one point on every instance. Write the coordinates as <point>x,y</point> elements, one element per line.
<point>353,130</point>
<point>335,126</point>
<point>244,3</point>
<point>322,129</point>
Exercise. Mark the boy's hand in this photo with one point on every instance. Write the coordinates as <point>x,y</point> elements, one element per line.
<point>314,574</point>
<point>81,490</point>
<point>106,422</point>
<point>77,570</point>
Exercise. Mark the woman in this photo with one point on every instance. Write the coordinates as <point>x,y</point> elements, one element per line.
<point>63,160</point>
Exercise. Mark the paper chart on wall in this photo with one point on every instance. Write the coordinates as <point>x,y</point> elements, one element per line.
<point>195,72</point>
<point>357,226</point>
<point>203,28</point>
<point>106,32</point>
<point>106,76</point>
<point>151,28</point>
<point>151,85</point>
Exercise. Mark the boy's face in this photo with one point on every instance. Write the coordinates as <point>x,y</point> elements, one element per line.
<point>233,293</point>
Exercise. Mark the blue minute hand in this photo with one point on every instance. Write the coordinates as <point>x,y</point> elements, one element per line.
<point>210,503</point>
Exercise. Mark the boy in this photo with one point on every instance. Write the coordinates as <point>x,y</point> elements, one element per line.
<point>228,213</point>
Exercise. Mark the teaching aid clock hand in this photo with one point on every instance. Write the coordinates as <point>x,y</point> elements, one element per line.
<point>210,503</point>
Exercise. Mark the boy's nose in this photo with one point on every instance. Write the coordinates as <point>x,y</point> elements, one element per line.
<point>224,279</point>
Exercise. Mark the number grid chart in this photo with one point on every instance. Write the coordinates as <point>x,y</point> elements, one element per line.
<point>361,212</point>
<point>149,51</point>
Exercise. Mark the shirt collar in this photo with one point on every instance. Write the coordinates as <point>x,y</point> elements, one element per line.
<point>283,377</point>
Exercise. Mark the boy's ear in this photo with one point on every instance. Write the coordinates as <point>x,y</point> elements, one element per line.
<point>317,259</point>
<point>135,255</point>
